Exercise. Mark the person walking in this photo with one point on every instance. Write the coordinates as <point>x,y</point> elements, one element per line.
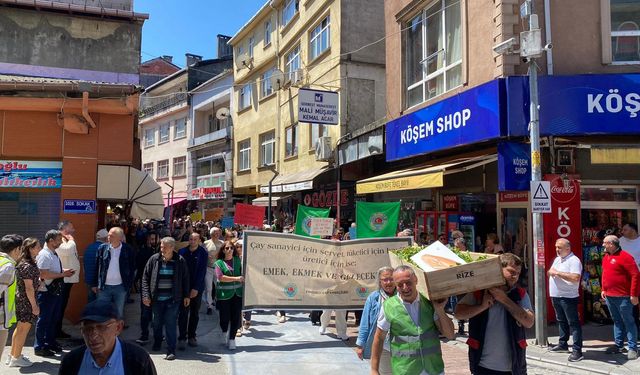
<point>68,254</point>
<point>197,258</point>
<point>229,292</point>
<point>620,289</point>
<point>90,259</point>
<point>165,287</point>
<point>498,318</point>
<point>27,310</point>
<point>564,285</point>
<point>115,269</point>
<point>10,246</point>
<point>630,241</point>
<point>49,296</point>
<point>413,324</point>
<point>142,257</point>
<point>367,329</point>
<point>213,246</point>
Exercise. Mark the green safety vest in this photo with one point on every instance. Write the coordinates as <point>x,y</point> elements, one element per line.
<point>9,297</point>
<point>413,348</point>
<point>227,290</point>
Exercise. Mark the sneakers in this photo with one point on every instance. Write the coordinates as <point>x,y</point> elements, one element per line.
<point>559,349</point>
<point>232,344</point>
<point>632,354</point>
<point>182,344</point>
<point>282,319</point>
<point>322,330</point>
<point>613,349</point>
<point>193,342</point>
<point>209,311</point>
<point>239,333</point>
<point>142,340</point>
<point>21,361</point>
<point>44,352</point>
<point>170,357</point>
<point>576,356</point>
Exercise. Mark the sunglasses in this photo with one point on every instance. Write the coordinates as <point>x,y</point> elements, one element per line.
<point>228,247</point>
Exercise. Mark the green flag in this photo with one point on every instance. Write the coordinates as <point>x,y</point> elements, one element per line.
<point>304,216</point>
<point>377,219</point>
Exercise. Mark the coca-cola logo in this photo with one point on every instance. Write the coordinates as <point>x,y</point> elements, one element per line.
<point>564,191</point>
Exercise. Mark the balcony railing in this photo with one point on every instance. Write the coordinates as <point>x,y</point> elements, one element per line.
<point>148,109</point>
<point>210,137</point>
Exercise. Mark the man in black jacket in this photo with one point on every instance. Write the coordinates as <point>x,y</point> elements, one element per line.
<point>165,286</point>
<point>100,328</point>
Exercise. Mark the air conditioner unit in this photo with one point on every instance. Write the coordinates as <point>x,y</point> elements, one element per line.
<point>323,149</point>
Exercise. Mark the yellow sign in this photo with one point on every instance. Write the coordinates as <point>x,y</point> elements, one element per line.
<point>196,216</point>
<point>428,180</point>
<point>535,158</point>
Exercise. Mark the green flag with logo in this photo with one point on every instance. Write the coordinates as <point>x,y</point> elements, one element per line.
<point>377,219</point>
<point>304,216</point>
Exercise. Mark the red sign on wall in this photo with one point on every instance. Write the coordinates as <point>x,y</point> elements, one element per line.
<point>513,196</point>
<point>562,222</point>
<point>247,214</point>
<point>450,202</point>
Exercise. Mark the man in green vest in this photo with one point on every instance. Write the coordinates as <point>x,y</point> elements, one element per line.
<point>414,324</point>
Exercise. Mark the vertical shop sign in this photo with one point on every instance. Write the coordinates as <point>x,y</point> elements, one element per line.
<point>450,202</point>
<point>514,166</point>
<point>562,222</point>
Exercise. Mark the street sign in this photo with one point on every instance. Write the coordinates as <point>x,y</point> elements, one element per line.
<point>79,206</point>
<point>318,107</point>
<point>540,197</point>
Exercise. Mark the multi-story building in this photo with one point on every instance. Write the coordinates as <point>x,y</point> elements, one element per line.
<point>459,109</point>
<point>151,71</point>
<point>288,45</point>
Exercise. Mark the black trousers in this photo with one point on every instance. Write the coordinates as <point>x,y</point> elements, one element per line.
<point>189,318</point>
<point>230,312</point>
<point>66,291</point>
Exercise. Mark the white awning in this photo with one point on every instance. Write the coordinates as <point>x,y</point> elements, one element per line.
<point>264,201</point>
<point>285,183</point>
<point>117,182</point>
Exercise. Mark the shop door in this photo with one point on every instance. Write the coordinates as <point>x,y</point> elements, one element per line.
<point>514,230</point>
<point>30,214</point>
<point>429,225</point>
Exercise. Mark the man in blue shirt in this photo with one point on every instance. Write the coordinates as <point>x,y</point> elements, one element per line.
<point>90,258</point>
<point>196,258</point>
<point>103,353</point>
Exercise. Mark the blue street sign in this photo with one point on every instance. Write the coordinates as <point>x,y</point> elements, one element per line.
<point>79,206</point>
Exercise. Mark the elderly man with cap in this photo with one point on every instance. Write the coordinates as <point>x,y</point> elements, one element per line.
<point>104,352</point>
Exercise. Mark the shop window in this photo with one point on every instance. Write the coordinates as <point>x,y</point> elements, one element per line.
<point>180,166</point>
<point>625,31</point>
<point>290,9</point>
<point>608,194</point>
<point>148,168</point>
<point>291,141</point>
<point>163,169</point>
<point>267,148</point>
<point>180,129</point>
<point>320,39</point>
<point>164,133</point>
<point>244,155</point>
<point>433,52</point>
<point>149,137</point>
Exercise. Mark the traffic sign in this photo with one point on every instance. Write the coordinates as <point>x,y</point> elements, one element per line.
<point>540,197</point>
<point>79,206</point>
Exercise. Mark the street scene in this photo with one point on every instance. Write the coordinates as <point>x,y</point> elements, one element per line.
<point>311,186</point>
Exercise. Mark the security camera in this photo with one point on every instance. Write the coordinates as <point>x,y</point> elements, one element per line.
<point>504,47</point>
<point>548,46</point>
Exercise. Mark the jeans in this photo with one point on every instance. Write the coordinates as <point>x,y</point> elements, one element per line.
<point>622,314</point>
<point>568,321</point>
<point>230,312</point>
<point>145,319</point>
<point>165,314</point>
<point>50,306</point>
<point>91,296</point>
<point>189,317</point>
<point>115,294</point>
<point>66,292</point>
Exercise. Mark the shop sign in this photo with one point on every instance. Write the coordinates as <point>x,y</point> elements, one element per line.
<point>469,117</point>
<point>513,196</point>
<point>318,107</point>
<point>423,181</point>
<point>30,174</point>
<point>579,104</point>
<point>450,202</point>
<point>212,192</point>
<point>79,206</point>
<point>514,166</point>
<point>324,198</point>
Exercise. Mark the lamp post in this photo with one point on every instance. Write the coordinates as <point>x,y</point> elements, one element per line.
<point>170,204</point>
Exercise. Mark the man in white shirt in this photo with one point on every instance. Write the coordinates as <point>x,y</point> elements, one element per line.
<point>564,282</point>
<point>68,254</point>
<point>630,241</point>
<point>213,246</point>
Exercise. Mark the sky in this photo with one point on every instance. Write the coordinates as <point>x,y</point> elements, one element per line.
<point>176,27</point>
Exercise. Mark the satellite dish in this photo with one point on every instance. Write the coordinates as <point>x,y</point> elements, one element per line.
<point>242,60</point>
<point>223,113</point>
<point>277,79</point>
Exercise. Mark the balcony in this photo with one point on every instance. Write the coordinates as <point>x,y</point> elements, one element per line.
<point>151,109</point>
<point>211,137</point>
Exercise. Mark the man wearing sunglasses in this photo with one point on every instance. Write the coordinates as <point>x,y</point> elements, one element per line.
<point>104,352</point>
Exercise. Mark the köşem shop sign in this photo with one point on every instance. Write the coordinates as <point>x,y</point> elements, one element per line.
<point>469,117</point>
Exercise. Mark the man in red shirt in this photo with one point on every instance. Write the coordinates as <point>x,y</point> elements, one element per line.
<point>620,290</point>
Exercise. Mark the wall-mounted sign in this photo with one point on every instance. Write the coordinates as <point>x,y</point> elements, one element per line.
<point>79,206</point>
<point>30,174</point>
<point>513,196</point>
<point>212,192</point>
<point>450,203</point>
<point>514,166</point>
<point>318,107</point>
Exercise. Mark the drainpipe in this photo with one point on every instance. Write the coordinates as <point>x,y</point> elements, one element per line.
<point>85,109</point>
<point>547,34</point>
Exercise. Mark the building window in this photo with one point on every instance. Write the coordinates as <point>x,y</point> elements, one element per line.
<point>251,44</point>
<point>290,10</point>
<point>180,166</point>
<point>291,141</point>
<point>244,155</point>
<point>149,137</point>
<point>320,39</point>
<point>292,62</point>
<point>317,131</point>
<point>433,52</point>
<point>266,88</point>
<point>164,133</point>
<point>148,168</point>
<point>180,129</point>
<point>267,33</point>
<point>625,31</point>
<point>267,148</point>
<point>163,169</point>
<point>245,96</point>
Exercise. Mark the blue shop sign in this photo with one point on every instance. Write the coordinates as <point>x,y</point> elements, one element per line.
<point>514,166</point>
<point>30,174</point>
<point>578,105</point>
<point>79,206</point>
<point>469,117</point>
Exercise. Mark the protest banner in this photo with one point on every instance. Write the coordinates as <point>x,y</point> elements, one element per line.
<point>375,219</point>
<point>196,216</point>
<point>321,226</point>
<point>304,216</point>
<point>227,222</point>
<point>247,214</point>
<point>287,271</point>
<point>213,214</point>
